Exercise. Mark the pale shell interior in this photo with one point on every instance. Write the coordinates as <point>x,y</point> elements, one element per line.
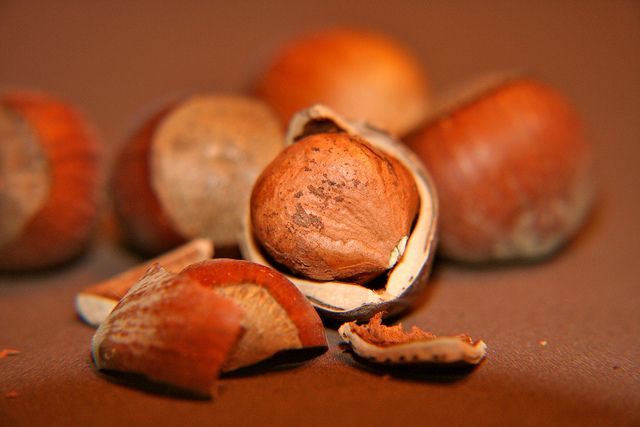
<point>440,350</point>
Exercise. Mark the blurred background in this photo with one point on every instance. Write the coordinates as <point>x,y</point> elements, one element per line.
<point>118,60</point>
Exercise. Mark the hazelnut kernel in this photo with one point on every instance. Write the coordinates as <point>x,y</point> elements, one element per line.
<point>333,207</point>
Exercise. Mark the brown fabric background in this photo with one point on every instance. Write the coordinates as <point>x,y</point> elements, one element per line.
<point>119,60</point>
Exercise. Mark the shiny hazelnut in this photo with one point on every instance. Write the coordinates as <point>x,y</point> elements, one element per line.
<point>49,181</point>
<point>363,75</point>
<point>512,169</point>
<point>341,205</point>
<point>188,171</point>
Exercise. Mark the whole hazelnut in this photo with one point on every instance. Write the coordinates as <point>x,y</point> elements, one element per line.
<point>342,205</point>
<point>363,75</point>
<point>512,169</point>
<point>49,181</point>
<point>188,171</point>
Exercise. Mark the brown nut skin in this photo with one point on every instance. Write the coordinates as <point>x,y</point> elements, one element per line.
<point>229,139</point>
<point>61,228</point>
<point>363,75</point>
<point>512,170</point>
<point>333,207</point>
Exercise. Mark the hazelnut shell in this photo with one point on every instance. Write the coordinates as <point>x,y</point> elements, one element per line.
<point>57,226</point>
<point>214,316</point>
<point>348,301</point>
<point>392,345</point>
<point>170,330</point>
<point>95,302</point>
<point>512,168</point>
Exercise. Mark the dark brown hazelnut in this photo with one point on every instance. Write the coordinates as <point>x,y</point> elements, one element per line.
<point>512,168</point>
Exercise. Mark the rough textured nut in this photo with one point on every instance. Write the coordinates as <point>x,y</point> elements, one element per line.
<point>396,288</point>
<point>384,344</point>
<point>333,207</point>
<point>94,303</point>
<point>49,182</point>
<point>188,172</point>
<point>363,75</point>
<point>512,170</point>
<point>217,315</point>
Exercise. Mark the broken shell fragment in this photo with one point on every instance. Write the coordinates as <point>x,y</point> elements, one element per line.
<point>94,303</point>
<point>214,316</point>
<point>392,345</point>
<point>170,330</point>
<point>394,290</point>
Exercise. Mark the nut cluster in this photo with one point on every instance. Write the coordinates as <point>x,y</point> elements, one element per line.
<point>337,215</point>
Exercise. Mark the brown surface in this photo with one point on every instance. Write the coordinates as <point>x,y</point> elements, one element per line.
<point>115,62</point>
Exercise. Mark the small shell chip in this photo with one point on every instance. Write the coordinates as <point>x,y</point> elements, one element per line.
<point>392,345</point>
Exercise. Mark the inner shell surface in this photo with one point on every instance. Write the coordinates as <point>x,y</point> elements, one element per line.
<point>205,157</point>
<point>24,175</point>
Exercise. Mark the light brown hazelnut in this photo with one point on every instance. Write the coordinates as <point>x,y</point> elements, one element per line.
<point>512,168</point>
<point>340,206</point>
<point>363,75</point>
<point>49,181</point>
<point>333,207</point>
<point>188,171</point>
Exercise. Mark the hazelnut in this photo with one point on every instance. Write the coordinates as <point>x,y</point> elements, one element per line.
<point>49,181</point>
<point>215,316</point>
<point>332,207</point>
<point>363,75</point>
<point>188,171</point>
<point>512,169</point>
<point>337,208</point>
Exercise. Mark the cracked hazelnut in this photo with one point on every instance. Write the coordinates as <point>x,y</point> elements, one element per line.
<point>215,316</point>
<point>49,182</point>
<point>188,171</point>
<point>332,207</point>
<point>363,75</point>
<point>512,168</point>
<point>341,205</point>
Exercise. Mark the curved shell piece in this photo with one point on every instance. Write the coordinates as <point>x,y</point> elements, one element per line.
<point>438,350</point>
<point>348,301</point>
